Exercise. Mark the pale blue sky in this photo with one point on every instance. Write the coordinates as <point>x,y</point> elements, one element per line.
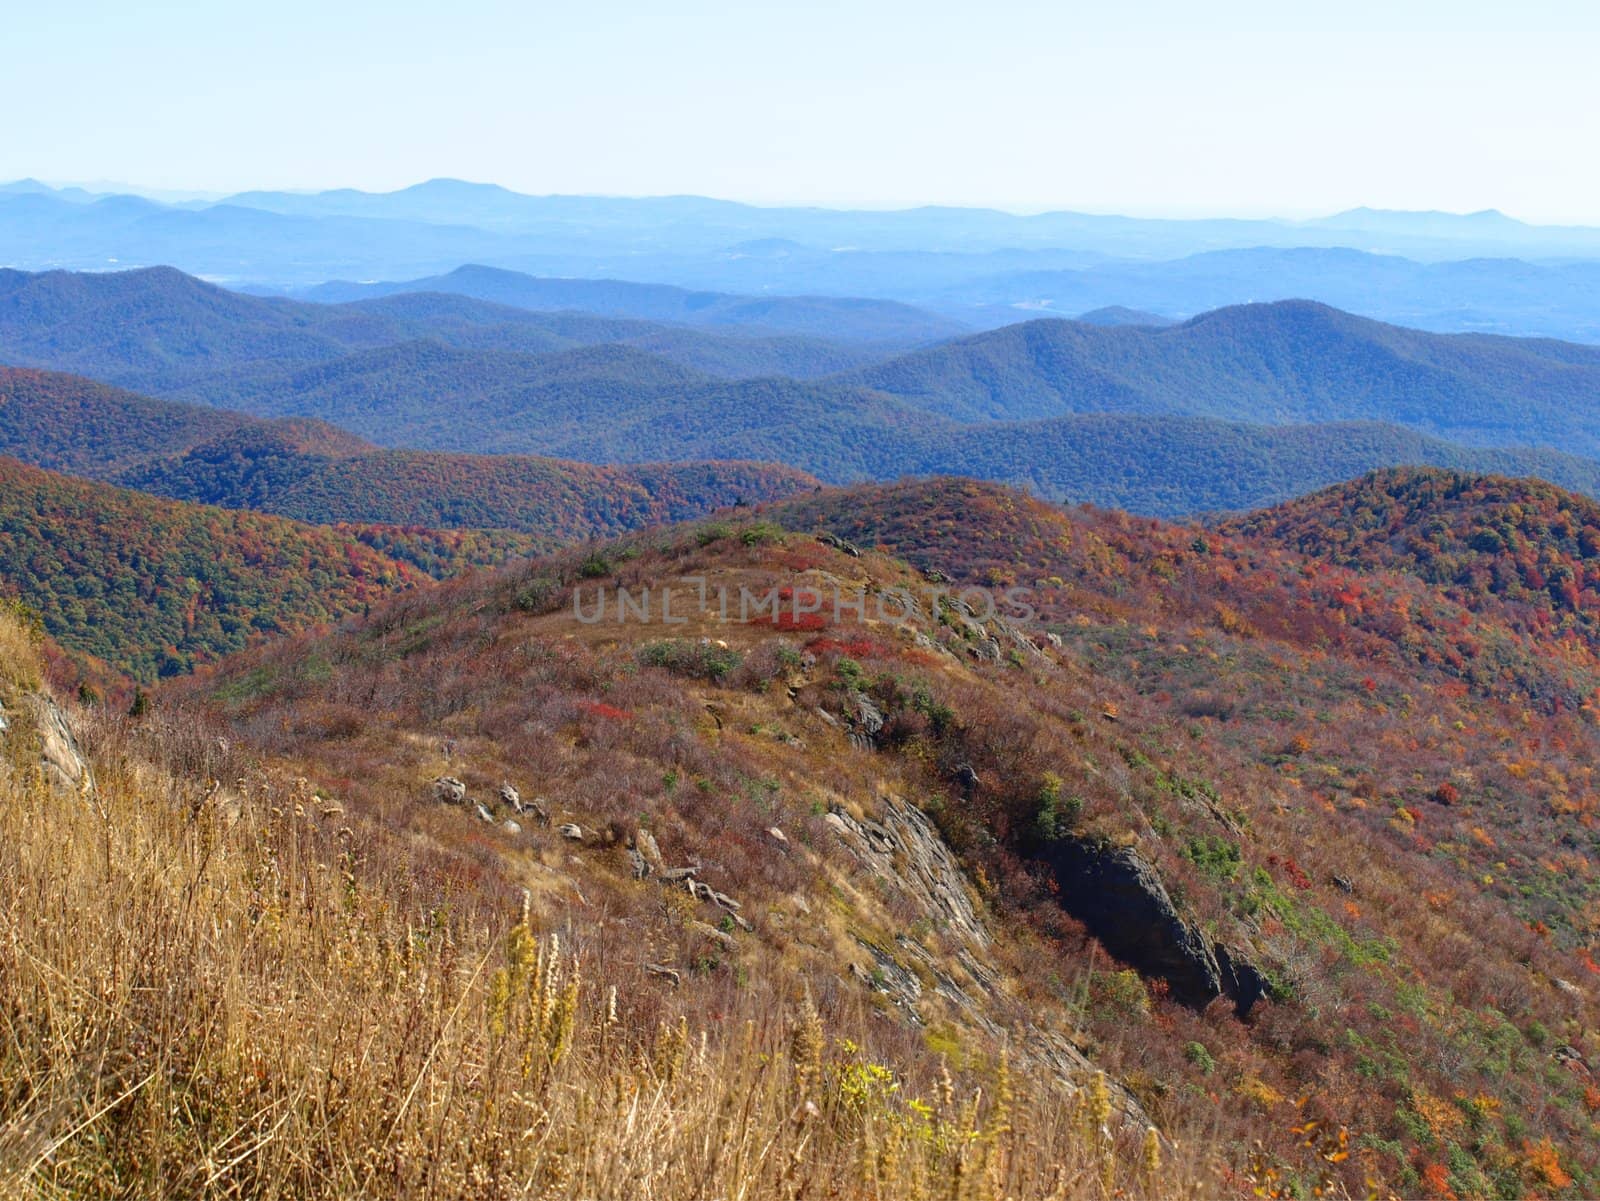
<point>1156,108</point>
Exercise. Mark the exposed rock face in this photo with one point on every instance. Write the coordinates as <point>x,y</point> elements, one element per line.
<point>987,649</point>
<point>1122,900</point>
<point>64,765</point>
<point>448,790</point>
<point>867,723</point>
<point>637,864</point>
<point>907,853</point>
<point>61,760</point>
<point>1243,982</point>
<point>645,844</point>
<point>905,849</point>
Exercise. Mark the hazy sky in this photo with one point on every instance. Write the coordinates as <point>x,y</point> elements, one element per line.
<point>1169,108</point>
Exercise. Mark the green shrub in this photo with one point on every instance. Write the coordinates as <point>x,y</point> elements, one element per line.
<point>713,531</point>
<point>700,660</point>
<point>1215,857</point>
<point>761,533</point>
<point>1119,995</point>
<point>1201,1057</point>
<point>537,594</point>
<point>1055,814</point>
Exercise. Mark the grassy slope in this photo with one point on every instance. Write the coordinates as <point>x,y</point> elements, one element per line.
<point>290,999</point>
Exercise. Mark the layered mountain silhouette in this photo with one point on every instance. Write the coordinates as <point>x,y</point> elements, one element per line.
<point>164,332</point>
<point>843,318</point>
<point>1234,409</point>
<point>1482,272</point>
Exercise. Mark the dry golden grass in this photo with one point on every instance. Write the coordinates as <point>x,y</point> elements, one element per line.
<point>220,993</point>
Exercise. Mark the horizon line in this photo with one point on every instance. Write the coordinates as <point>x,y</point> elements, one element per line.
<point>212,197</point>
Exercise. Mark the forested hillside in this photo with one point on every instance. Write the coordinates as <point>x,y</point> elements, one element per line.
<point>1521,546</point>
<point>1235,409</point>
<point>165,333</point>
<point>310,470</point>
<point>153,587</point>
<point>1288,362</point>
<point>68,423</point>
<point>559,501</point>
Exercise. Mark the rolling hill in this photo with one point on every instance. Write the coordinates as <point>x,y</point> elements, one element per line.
<point>586,406</point>
<point>557,501</point>
<point>1523,546</point>
<point>426,394</point>
<point>1279,363</point>
<point>614,405</point>
<point>1504,291</point>
<point>1116,314</point>
<point>165,333</point>
<point>153,587</point>
<point>1236,409</point>
<point>314,472</point>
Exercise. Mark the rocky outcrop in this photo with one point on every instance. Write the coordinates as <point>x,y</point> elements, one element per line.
<point>61,761</point>
<point>906,850</point>
<point>1243,982</point>
<point>65,768</point>
<point>447,790</point>
<point>39,722</point>
<point>866,722</point>
<point>839,544</point>
<point>1117,894</point>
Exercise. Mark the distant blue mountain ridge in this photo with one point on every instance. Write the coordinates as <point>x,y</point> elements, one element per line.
<point>977,268</point>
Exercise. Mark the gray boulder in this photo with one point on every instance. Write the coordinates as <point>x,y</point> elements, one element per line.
<point>447,790</point>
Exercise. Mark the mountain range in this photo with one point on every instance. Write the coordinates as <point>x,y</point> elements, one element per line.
<point>1235,409</point>
<point>840,318</point>
<point>1283,363</point>
<point>1481,272</point>
<point>591,697</point>
<point>164,332</point>
<point>1235,830</point>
